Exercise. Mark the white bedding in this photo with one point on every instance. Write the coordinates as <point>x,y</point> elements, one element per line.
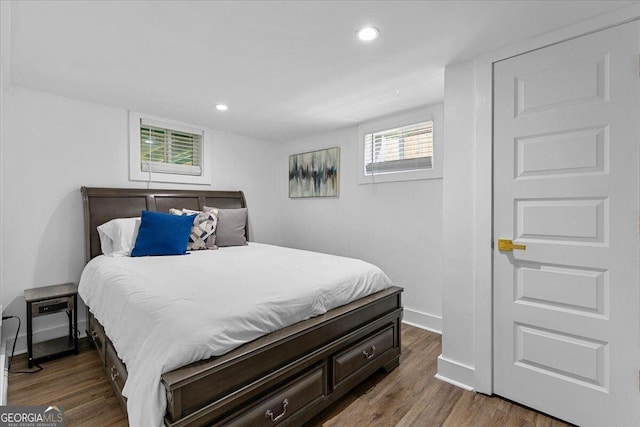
<point>165,312</point>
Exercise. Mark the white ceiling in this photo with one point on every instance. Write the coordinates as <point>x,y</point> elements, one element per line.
<point>287,69</point>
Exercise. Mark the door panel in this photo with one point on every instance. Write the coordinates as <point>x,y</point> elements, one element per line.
<point>576,359</point>
<point>563,153</point>
<point>579,289</point>
<point>566,185</point>
<point>580,82</point>
<point>556,219</point>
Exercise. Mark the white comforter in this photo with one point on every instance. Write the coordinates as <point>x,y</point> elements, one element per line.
<point>165,312</point>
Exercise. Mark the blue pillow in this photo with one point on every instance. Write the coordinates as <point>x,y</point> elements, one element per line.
<point>162,234</point>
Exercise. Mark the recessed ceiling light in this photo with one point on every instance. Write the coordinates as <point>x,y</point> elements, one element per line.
<point>221,107</point>
<point>367,34</point>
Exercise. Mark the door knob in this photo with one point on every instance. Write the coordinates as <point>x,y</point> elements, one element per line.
<point>505,245</point>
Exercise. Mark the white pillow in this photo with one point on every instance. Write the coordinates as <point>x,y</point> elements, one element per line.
<point>118,236</point>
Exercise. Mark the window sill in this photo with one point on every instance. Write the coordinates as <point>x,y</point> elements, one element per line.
<point>169,178</point>
<point>400,177</point>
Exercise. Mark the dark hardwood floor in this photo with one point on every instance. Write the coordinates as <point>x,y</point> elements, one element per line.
<point>408,396</point>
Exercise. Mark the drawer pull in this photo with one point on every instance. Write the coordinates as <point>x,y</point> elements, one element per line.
<point>370,355</point>
<point>114,373</point>
<point>269,413</point>
<point>94,334</point>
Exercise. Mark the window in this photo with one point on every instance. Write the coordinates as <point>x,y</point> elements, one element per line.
<point>166,151</point>
<point>401,147</point>
<point>407,148</point>
<point>170,151</point>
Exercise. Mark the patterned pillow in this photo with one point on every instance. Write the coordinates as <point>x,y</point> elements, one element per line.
<point>203,231</point>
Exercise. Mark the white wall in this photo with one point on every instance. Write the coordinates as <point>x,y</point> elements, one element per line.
<point>395,225</point>
<point>52,146</point>
<point>5,25</point>
<point>458,225</point>
<point>5,71</point>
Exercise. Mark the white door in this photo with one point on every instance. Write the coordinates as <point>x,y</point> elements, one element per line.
<point>566,185</point>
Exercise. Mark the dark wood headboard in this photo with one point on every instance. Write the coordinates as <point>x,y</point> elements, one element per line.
<point>104,204</point>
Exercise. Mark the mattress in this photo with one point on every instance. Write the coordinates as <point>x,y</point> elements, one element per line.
<point>162,313</point>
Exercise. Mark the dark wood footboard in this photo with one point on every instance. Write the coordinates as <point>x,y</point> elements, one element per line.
<point>284,378</point>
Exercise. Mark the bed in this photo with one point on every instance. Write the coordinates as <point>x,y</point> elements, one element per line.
<point>283,377</point>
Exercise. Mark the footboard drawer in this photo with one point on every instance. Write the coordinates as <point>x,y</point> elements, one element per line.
<point>98,337</point>
<point>361,354</point>
<point>282,405</point>
<point>116,369</point>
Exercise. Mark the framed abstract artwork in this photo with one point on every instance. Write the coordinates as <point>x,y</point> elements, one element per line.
<point>315,174</point>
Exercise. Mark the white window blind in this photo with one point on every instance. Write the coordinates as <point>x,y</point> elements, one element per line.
<point>402,149</point>
<point>170,151</point>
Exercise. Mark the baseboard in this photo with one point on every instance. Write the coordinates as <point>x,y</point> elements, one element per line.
<point>455,373</point>
<point>422,320</point>
<point>42,335</point>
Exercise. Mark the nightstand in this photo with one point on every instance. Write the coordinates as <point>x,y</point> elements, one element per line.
<point>45,301</point>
